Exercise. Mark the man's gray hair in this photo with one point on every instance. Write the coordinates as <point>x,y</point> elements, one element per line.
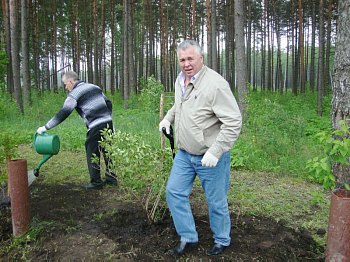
<point>70,75</point>
<point>190,43</point>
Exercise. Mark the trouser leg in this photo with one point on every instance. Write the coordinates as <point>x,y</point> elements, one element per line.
<point>215,182</point>
<point>178,189</point>
<point>91,147</point>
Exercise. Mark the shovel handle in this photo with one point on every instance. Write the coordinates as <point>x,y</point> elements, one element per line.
<point>171,138</point>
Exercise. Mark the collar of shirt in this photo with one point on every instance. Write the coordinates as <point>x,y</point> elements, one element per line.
<point>182,80</point>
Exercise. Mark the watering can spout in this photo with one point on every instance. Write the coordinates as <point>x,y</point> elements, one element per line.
<point>46,145</point>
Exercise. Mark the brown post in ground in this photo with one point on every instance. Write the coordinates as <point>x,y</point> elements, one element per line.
<point>19,195</point>
<point>338,237</point>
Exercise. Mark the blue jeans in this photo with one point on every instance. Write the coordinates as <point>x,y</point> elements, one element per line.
<point>215,182</point>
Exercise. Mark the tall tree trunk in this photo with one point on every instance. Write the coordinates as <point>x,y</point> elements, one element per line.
<point>112,78</point>
<point>102,58</point>
<point>96,44</point>
<point>263,45</point>
<point>313,48</point>
<point>130,49</point>
<point>241,56</point>
<point>6,23</point>
<point>15,42</point>
<point>209,33</point>
<point>193,20</point>
<point>54,47</point>
<point>249,40</point>
<point>294,54</point>
<point>279,74</point>
<point>126,87</point>
<point>163,43</point>
<point>341,85</point>
<point>25,53</point>
<point>320,82</point>
<point>46,84</point>
<point>214,59</point>
<point>152,42</point>
<point>327,79</point>
<point>184,18</point>
<point>301,48</point>
<point>269,49</point>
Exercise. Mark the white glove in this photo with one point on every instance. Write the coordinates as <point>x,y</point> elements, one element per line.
<point>164,123</point>
<point>209,160</point>
<point>41,130</point>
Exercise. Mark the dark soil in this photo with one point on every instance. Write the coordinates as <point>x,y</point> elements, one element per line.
<point>72,224</point>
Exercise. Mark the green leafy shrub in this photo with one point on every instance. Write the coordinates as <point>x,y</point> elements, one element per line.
<point>150,94</point>
<point>140,168</point>
<point>336,149</point>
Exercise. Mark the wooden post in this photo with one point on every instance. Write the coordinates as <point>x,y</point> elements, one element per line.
<point>161,116</point>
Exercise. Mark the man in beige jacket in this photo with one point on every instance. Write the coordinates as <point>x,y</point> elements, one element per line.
<point>207,124</point>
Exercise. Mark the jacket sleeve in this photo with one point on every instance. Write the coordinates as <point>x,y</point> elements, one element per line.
<point>69,105</point>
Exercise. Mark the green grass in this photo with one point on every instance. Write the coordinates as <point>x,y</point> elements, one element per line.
<point>277,136</point>
<point>278,132</point>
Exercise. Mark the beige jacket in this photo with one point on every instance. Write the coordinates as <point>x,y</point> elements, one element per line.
<point>207,116</point>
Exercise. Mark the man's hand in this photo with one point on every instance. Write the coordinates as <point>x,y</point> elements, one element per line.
<point>209,160</point>
<point>166,124</point>
<point>41,130</point>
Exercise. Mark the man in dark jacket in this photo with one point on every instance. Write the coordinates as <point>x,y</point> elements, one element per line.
<point>96,110</point>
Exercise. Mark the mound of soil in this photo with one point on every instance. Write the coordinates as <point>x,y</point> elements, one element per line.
<point>72,224</point>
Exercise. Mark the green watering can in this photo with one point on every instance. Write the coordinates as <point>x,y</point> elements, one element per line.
<point>46,145</point>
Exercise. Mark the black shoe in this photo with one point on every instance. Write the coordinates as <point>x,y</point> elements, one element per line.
<point>183,246</point>
<point>93,186</point>
<point>111,182</point>
<point>216,250</point>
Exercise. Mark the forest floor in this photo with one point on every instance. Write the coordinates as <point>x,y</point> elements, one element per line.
<point>73,224</point>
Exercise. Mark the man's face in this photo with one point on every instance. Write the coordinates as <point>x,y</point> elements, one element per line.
<point>190,61</point>
<point>68,85</point>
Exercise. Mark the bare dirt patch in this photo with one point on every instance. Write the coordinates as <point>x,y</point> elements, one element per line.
<point>105,225</point>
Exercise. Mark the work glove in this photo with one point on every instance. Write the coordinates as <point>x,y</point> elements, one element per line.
<point>41,130</point>
<point>209,160</point>
<point>164,123</point>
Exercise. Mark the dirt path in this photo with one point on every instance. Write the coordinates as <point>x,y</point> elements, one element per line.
<point>72,224</point>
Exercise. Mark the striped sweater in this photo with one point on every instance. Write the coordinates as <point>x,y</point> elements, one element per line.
<point>89,101</point>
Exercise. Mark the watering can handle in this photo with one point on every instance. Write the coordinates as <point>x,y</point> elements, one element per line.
<point>42,134</point>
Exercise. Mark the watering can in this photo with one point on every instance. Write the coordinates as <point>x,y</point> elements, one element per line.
<point>46,145</point>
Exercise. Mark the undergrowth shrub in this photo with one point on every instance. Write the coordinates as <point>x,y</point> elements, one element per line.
<point>336,149</point>
<point>149,96</point>
<point>140,168</point>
